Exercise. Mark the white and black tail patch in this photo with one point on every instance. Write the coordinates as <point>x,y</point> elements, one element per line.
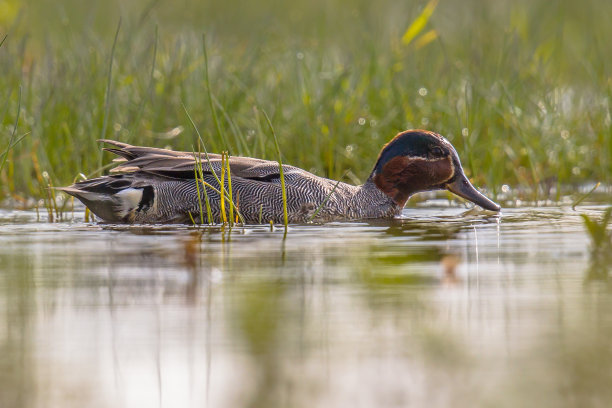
<point>134,200</point>
<point>147,199</point>
<point>126,201</point>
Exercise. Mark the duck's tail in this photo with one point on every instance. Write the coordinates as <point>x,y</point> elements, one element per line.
<point>112,198</point>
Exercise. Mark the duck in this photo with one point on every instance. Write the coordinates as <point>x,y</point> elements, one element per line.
<point>152,185</point>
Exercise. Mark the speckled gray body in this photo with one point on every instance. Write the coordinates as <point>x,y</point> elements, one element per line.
<point>261,201</point>
<point>158,186</point>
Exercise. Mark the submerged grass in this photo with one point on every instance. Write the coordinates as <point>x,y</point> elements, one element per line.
<point>521,88</point>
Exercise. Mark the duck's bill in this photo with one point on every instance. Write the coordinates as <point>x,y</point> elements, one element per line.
<point>463,188</point>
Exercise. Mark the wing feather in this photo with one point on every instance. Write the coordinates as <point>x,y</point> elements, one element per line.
<point>177,164</point>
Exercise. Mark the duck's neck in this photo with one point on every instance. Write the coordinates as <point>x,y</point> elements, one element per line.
<point>370,202</point>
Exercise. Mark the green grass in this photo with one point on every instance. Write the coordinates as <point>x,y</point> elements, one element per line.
<point>599,232</point>
<point>280,170</point>
<point>521,88</point>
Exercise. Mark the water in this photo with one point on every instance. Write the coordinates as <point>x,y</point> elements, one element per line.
<point>436,309</point>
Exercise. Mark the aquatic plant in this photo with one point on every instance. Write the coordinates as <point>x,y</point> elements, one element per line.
<point>599,233</point>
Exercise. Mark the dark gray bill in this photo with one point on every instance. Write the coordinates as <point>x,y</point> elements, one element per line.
<point>463,188</point>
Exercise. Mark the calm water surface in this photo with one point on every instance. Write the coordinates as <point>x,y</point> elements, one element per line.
<point>436,309</point>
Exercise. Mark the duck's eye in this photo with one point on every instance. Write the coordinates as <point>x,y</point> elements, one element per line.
<point>436,151</point>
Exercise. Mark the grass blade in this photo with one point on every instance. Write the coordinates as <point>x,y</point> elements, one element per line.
<point>107,95</point>
<point>419,23</point>
<point>213,111</point>
<point>312,217</point>
<point>222,184</point>
<point>195,171</point>
<point>280,167</point>
<point>12,138</point>
<point>229,189</point>
<point>150,85</point>
<point>210,164</point>
<point>200,172</point>
<point>191,217</point>
<point>584,196</point>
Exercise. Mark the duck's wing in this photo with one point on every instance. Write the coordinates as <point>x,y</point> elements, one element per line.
<point>181,165</point>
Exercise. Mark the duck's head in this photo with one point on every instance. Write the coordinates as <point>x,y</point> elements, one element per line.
<point>419,160</point>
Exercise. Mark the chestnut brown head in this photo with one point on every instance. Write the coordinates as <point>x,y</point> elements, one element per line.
<point>419,160</point>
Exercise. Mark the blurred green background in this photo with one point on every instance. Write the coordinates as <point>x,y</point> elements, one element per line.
<point>522,88</point>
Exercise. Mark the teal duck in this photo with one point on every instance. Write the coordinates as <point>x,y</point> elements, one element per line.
<point>152,185</point>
